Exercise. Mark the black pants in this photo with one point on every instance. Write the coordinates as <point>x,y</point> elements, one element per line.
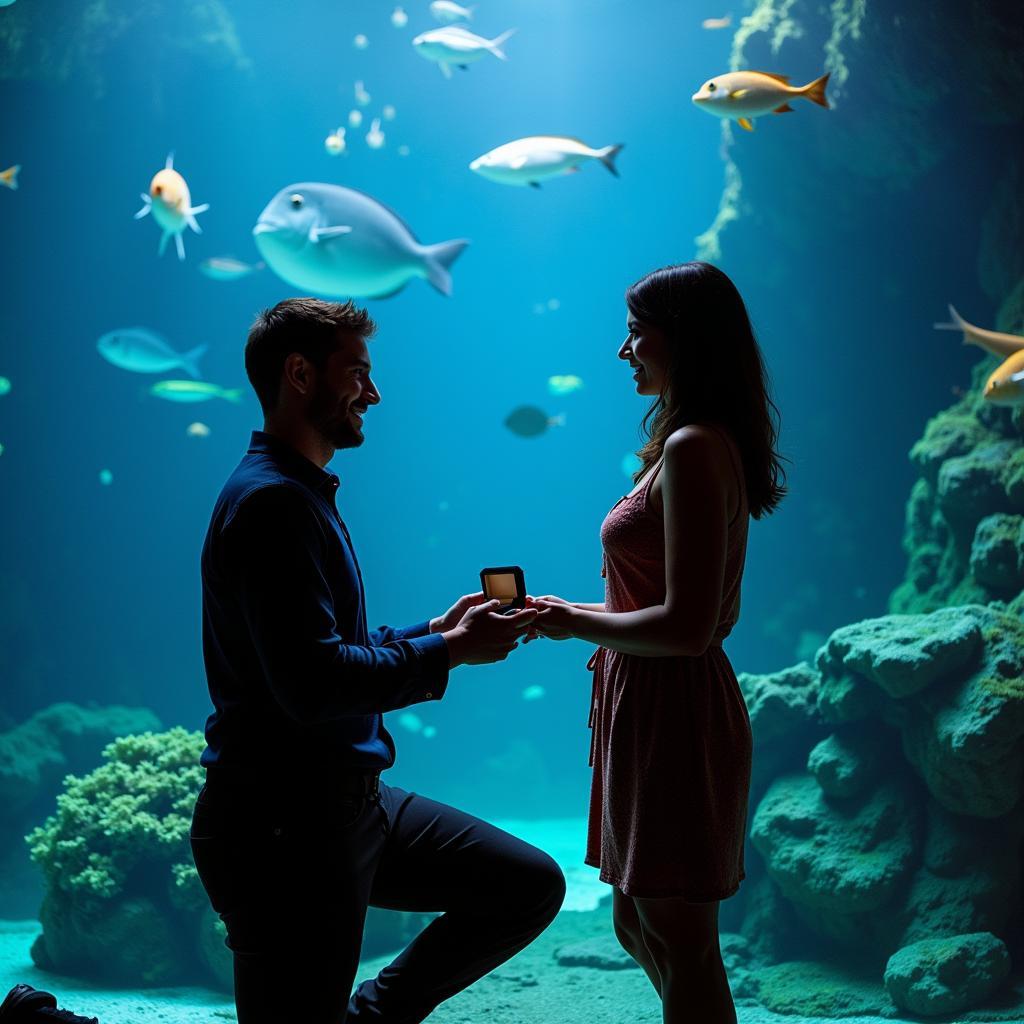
<point>291,876</point>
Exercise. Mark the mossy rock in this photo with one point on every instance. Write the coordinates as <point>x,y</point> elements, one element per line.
<point>947,435</point>
<point>1013,480</point>
<point>837,857</point>
<point>780,702</point>
<point>965,736</point>
<point>846,764</point>
<point>812,989</point>
<point>971,487</point>
<point>997,553</point>
<point>941,976</point>
<point>903,654</point>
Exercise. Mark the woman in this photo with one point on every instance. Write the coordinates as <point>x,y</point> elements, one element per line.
<point>671,745</point>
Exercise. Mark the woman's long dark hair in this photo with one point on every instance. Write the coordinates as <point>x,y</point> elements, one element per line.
<point>715,373</point>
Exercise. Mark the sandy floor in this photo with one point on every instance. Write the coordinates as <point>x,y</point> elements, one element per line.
<point>532,988</point>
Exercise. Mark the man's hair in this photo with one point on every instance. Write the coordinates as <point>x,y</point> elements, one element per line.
<point>309,326</point>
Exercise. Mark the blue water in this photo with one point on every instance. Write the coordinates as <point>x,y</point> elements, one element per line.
<point>100,596</point>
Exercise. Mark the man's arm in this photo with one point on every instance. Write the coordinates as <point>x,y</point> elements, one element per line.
<point>275,552</point>
<point>385,634</point>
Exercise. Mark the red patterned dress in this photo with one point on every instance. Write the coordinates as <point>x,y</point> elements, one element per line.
<point>671,744</point>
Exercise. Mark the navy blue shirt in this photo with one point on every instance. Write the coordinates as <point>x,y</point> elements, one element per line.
<point>297,681</point>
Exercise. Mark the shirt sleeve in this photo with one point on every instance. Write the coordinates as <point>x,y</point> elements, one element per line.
<point>385,634</point>
<point>275,551</point>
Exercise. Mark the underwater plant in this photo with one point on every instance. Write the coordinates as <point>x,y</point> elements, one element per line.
<point>123,902</point>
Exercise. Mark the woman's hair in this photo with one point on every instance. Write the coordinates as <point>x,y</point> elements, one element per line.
<point>715,373</point>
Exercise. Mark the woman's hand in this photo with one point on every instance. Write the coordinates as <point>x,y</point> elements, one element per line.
<point>554,619</point>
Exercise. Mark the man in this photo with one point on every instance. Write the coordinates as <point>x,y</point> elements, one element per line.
<point>293,833</point>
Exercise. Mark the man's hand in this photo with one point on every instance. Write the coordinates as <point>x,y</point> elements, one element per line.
<point>553,619</point>
<point>484,635</point>
<point>453,616</point>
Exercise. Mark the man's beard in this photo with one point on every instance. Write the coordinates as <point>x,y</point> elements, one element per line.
<point>331,419</point>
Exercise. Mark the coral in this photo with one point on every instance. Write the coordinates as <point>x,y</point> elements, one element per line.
<point>945,975</point>
<point>34,758</point>
<point>117,866</point>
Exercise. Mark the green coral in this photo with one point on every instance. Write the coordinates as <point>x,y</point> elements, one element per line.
<point>133,810</point>
<point>116,864</point>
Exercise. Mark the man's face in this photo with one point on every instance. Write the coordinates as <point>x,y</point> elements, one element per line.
<point>342,393</point>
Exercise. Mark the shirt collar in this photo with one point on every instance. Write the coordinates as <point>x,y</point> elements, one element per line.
<point>262,443</point>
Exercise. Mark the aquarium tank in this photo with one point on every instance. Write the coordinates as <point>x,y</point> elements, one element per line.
<point>500,175</point>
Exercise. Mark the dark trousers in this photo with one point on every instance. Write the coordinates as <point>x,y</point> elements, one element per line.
<point>291,875</point>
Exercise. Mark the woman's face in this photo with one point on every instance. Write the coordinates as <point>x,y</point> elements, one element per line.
<point>646,350</point>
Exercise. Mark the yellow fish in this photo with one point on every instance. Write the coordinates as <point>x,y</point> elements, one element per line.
<point>999,344</point>
<point>1006,385</point>
<point>170,202</point>
<point>742,95</point>
<point>10,176</point>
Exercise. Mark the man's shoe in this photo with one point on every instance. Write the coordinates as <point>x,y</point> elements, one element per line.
<point>27,1005</point>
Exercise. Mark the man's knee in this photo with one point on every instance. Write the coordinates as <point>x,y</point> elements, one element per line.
<point>541,886</point>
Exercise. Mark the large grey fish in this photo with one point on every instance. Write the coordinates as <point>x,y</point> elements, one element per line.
<point>144,351</point>
<point>339,243</point>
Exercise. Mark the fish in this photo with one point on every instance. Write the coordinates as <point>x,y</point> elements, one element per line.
<point>564,384</point>
<point>106,477</point>
<point>362,96</point>
<point>429,732</point>
<point>742,95</point>
<point>411,721</point>
<point>10,177</point>
<point>399,18</point>
<point>197,429</point>
<point>389,112</point>
<point>447,12</point>
<point>5,386</point>
<point>999,344</point>
<point>630,464</point>
<point>337,242</point>
<point>1006,384</point>
<point>534,692</point>
<point>530,160</point>
<point>375,137</point>
<point>335,142</point>
<point>170,202</point>
<point>529,421</point>
<point>141,350</point>
<point>227,268</point>
<point>458,46</point>
<point>193,391</point>
<point>360,42</point>
<point>713,23</point>
<point>355,118</point>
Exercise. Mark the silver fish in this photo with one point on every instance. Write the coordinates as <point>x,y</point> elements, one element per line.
<point>339,243</point>
<point>144,351</point>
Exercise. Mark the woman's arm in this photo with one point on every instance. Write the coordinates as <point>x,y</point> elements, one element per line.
<point>590,607</point>
<point>695,487</point>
